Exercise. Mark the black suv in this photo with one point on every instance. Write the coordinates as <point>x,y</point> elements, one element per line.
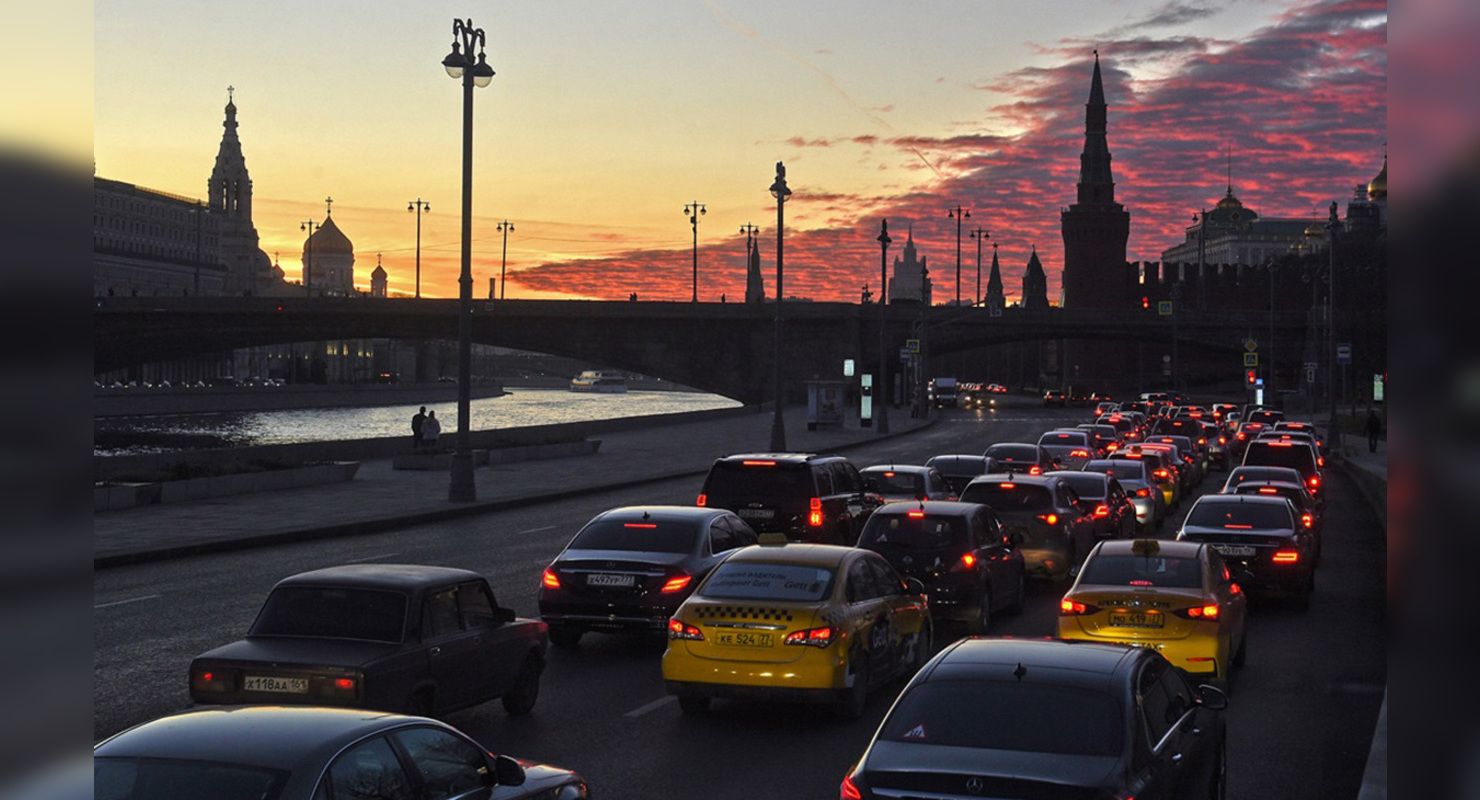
<point>810,498</point>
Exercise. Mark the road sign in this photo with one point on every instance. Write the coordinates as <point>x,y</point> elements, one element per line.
<point>912,345</point>
<point>1344,353</point>
<point>847,368</point>
<point>905,354</point>
<point>1250,345</point>
<point>1310,371</point>
<point>1164,308</point>
<point>1251,359</point>
<point>1378,385</point>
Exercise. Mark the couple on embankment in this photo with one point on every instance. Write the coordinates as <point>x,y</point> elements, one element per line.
<point>425,429</point>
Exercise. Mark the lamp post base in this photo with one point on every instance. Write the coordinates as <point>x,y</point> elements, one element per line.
<point>462,488</point>
<point>883,415</point>
<point>778,433</point>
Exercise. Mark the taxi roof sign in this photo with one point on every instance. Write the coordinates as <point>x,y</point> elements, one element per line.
<point>1145,547</point>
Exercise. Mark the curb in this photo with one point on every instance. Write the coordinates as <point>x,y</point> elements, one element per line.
<point>382,524</point>
<point>1373,488</point>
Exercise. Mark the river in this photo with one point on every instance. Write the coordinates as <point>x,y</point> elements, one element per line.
<point>519,408</point>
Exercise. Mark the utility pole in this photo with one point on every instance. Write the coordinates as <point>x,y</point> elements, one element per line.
<point>980,235</point>
<point>694,211</point>
<point>958,213</point>
<point>883,393</point>
<point>780,191</point>
<point>506,227</point>
<point>418,205</point>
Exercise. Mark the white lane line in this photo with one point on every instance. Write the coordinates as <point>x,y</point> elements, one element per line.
<point>537,530</point>
<point>123,602</point>
<point>653,706</point>
<point>370,558</point>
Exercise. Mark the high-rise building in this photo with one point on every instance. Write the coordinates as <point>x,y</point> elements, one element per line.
<point>910,282</point>
<point>1095,227</point>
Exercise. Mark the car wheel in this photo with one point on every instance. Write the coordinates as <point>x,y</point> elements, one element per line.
<point>983,619</point>
<point>693,703</point>
<point>1218,789</point>
<point>519,700</point>
<point>566,637</point>
<point>1020,595</point>
<point>923,642</point>
<point>1243,650</point>
<point>420,703</point>
<point>856,696</point>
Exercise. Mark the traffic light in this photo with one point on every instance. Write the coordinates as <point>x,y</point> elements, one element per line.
<point>1251,376</point>
<point>1145,302</point>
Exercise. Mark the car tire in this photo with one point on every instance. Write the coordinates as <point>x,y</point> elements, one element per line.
<point>1218,787</point>
<point>565,637</point>
<point>520,698</point>
<point>1020,596</point>
<point>855,697</point>
<point>983,620</point>
<point>1243,650</point>
<point>693,704</point>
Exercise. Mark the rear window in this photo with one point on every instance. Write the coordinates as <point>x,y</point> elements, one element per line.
<point>1295,455</point>
<point>1014,452</point>
<point>116,778</point>
<point>733,482</point>
<point>1023,717</point>
<point>734,580</point>
<point>902,530</point>
<point>1243,474</point>
<point>1240,516</point>
<point>1088,486</point>
<point>332,613</point>
<point>1006,496</point>
<point>1064,437</point>
<point>1132,570</point>
<point>952,465</point>
<point>890,482</point>
<point>1289,493</point>
<point>1134,471</point>
<point>651,536</point>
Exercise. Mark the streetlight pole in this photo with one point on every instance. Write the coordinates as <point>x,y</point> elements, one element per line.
<point>882,401</point>
<point>980,235</point>
<point>1269,376</point>
<point>460,65</point>
<point>308,225</point>
<point>1332,225</point>
<point>780,191</point>
<point>506,227</point>
<point>418,205</point>
<point>958,214</point>
<point>694,210</point>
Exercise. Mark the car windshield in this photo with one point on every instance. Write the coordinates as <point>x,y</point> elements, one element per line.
<point>1122,470</point>
<point>116,778</point>
<point>1013,452</point>
<point>1295,455</point>
<point>1241,516</point>
<point>908,484</point>
<point>644,535</point>
<point>1008,496</point>
<point>1064,437</point>
<point>322,612</point>
<point>1022,717</point>
<point>1088,485</point>
<point>919,532</point>
<point>735,580</point>
<point>1133,570</point>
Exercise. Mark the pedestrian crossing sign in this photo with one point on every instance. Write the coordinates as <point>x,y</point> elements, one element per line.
<point>1251,359</point>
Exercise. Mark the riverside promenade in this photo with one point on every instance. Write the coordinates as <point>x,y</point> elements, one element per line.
<point>381,498</point>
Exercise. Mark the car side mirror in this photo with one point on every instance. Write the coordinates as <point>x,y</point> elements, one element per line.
<point>503,616</point>
<point>507,772</point>
<point>1211,697</point>
<point>915,586</point>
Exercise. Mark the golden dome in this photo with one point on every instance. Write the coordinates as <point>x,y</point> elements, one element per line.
<point>329,239</point>
<point>1377,187</point>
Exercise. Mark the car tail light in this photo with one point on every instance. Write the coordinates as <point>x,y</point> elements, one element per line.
<point>1113,446</point>
<point>1237,527</point>
<point>1222,440</point>
<point>1052,519</point>
<point>210,680</point>
<point>550,580</point>
<point>1314,481</point>
<point>888,474</point>
<point>1241,436</point>
<point>677,584</point>
<point>1074,608</point>
<point>1102,510</point>
<point>915,514</point>
<point>678,629</point>
<point>702,500</point>
<point>344,684</point>
<point>646,525</point>
<point>758,463</point>
<point>1035,470</point>
<point>811,637</point>
<point>1307,520</point>
<point>1161,473</point>
<point>1286,556</point>
<point>1268,490</point>
<point>814,516</point>
<point>1079,454</point>
<point>968,560</point>
<point>848,791</point>
<point>1143,492</point>
<point>1006,486</point>
<point>1199,612</point>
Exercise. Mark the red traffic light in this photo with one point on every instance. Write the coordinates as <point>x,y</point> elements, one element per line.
<point>1250,376</point>
<point>1145,302</point>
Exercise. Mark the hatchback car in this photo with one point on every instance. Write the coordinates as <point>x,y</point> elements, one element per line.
<point>427,640</point>
<point>1305,506</point>
<point>1260,539</point>
<point>1046,719</point>
<point>812,498</point>
<point>958,469</point>
<point>306,753</point>
<point>969,567</point>
<point>906,482</point>
<point>1057,532</point>
<point>1028,459</point>
<point>1134,476</point>
<point>1165,476</point>
<point>628,569</point>
<point>1069,449</point>
<point>1105,500</point>
<point>1240,475</point>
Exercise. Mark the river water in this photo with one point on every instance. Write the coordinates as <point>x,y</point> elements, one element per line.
<point>520,408</point>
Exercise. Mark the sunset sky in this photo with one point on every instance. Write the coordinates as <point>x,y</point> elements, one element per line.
<point>606,118</point>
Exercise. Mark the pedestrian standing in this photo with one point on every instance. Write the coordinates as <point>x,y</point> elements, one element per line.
<point>417,423</point>
<point>1374,429</point>
<point>430,430</point>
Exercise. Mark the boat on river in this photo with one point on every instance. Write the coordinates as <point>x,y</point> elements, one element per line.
<point>593,380</point>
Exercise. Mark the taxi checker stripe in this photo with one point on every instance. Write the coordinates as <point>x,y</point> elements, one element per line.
<point>744,612</point>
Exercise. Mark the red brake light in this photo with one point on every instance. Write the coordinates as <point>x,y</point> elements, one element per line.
<point>1308,520</point>
<point>1052,519</point>
<point>1203,612</point>
<point>1239,527</point>
<point>888,474</point>
<point>1161,473</point>
<point>814,516</point>
<point>1035,470</point>
<point>677,584</point>
<point>702,500</point>
<point>1268,490</point>
<point>1071,608</point>
<point>848,791</point>
<point>550,580</point>
<point>1280,444</point>
<point>758,463</point>
<point>345,684</point>
<point>1142,582</point>
<point>1286,556</point>
<point>915,514</point>
<point>640,525</point>
<point>1102,510</point>
<point>1241,436</point>
<point>812,637</point>
<point>678,629</point>
<point>1315,480</point>
<point>968,560</point>
<point>1079,454</point>
<point>1143,492</point>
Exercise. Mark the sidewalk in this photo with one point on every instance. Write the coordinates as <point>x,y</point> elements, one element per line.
<point>381,498</point>
<point>1370,472</point>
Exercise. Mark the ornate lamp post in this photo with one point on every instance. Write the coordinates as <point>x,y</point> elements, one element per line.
<point>958,213</point>
<point>308,225</point>
<point>779,191</point>
<point>694,210</point>
<point>419,206</point>
<point>506,227</point>
<point>460,64</point>
<point>882,401</point>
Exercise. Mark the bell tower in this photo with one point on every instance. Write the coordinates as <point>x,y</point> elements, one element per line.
<point>229,190</point>
<point>1095,227</point>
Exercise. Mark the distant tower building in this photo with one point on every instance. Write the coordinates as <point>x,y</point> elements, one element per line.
<point>1367,212</point>
<point>755,287</point>
<point>996,298</point>
<point>910,281</point>
<point>1035,284</point>
<point>248,270</point>
<point>377,279</point>
<point>1096,227</point>
<point>333,260</point>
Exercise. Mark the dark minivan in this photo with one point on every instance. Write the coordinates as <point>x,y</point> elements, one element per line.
<point>810,498</point>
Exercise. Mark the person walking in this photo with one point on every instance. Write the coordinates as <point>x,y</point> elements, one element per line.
<point>1374,429</point>
<point>417,423</point>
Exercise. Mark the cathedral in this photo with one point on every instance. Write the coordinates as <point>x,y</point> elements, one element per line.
<point>229,189</point>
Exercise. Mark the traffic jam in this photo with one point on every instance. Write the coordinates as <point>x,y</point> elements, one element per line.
<point>806,580</point>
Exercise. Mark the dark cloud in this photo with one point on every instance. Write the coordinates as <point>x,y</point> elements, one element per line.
<point>1173,13</point>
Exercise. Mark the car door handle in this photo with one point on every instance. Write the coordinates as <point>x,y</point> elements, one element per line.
<point>436,651</point>
<point>1176,758</point>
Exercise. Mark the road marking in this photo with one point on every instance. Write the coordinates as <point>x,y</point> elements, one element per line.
<point>370,558</point>
<point>537,530</point>
<point>653,706</point>
<point>123,602</point>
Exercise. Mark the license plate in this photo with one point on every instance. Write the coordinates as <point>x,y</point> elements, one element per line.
<point>608,579</point>
<point>756,513</point>
<point>1137,620</point>
<point>743,639</point>
<point>1234,549</point>
<point>262,683</point>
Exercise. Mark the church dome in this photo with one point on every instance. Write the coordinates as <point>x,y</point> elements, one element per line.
<point>1377,187</point>
<point>378,272</point>
<point>1231,210</point>
<point>329,239</point>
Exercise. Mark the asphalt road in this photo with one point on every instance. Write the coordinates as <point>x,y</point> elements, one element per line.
<point>1300,720</point>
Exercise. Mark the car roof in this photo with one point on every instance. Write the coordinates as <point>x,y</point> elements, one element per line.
<point>810,555</point>
<point>1085,664</point>
<point>780,458</point>
<point>1033,445</point>
<point>934,508</point>
<point>268,736</point>
<point>1071,473</point>
<point>896,468</point>
<point>662,513</point>
<point>1015,477</point>
<point>1275,484</point>
<point>947,458</point>
<point>1230,499</point>
<point>1167,547</point>
<point>404,577</point>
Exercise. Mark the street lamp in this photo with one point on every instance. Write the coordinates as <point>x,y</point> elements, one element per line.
<point>779,191</point>
<point>1332,224</point>
<point>418,205</point>
<point>506,227</point>
<point>958,214</point>
<point>460,65</point>
<point>882,402</point>
<point>694,210</point>
<point>308,225</point>
<point>980,235</point>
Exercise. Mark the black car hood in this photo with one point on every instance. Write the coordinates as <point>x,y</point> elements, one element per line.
<point>303,652</point>
<point>1054,768</point>
<point>640,556</point>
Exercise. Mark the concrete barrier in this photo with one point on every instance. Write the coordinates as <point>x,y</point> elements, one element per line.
<point>120,496</point>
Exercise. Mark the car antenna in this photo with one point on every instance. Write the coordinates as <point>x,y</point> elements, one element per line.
<point>646,515</point>
<point>1020,671</point>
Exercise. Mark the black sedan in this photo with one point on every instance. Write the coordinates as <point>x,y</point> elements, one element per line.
<point>629,569</point>
<point>969,567</point>
<point>307,753</point>
<point>958,469</point>
<point>1261,540</point>
<point>426,640</point>
<point>1104,500</point>
<point>1021,718</point>
<point>1019,457</point>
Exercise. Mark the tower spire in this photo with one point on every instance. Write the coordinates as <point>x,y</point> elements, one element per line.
<point>1096,185</point>
<point>1228,149</point>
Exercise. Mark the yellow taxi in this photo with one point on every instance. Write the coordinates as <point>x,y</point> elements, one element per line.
<point>1175,597</point>
<point>804,622</point>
